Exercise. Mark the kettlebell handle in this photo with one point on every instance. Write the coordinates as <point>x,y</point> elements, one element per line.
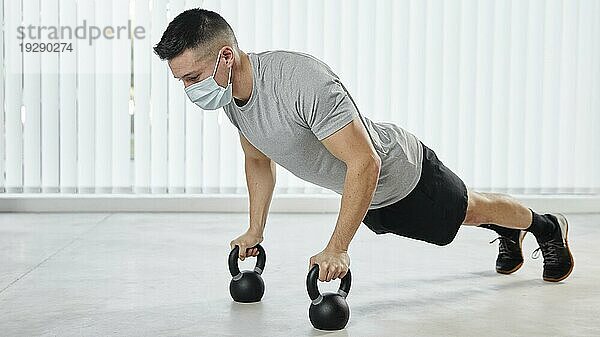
<point>313,289</point>
<point>261,259</point>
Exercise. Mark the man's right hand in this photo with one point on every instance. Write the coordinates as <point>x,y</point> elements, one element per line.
<point>246,241</point>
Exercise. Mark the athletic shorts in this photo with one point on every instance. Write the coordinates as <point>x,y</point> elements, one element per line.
<point>432,212</point>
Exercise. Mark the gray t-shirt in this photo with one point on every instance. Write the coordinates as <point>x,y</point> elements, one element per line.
<point>297,101</point>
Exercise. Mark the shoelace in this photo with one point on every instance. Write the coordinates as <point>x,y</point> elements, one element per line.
<point>550,250</point>
<point>503,244</point>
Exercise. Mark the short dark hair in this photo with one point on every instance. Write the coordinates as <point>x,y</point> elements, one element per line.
<point>194,28</point>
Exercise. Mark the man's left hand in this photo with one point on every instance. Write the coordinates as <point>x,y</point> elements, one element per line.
<point>332,263</point>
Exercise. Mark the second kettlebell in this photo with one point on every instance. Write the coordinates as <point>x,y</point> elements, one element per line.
<point>328,311</point>
<point>247,286</point>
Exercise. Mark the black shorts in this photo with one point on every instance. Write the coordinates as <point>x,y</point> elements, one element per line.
<point>433,211</point>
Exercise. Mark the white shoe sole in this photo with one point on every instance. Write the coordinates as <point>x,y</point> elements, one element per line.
<point>564,228</point>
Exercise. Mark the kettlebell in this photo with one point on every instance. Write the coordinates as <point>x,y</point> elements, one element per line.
<point>328,311</point>
<point>247,286</point>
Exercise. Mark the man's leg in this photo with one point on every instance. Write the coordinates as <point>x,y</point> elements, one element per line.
<point>506,216</point>
<point>499,212</point>
<point>496,208</point>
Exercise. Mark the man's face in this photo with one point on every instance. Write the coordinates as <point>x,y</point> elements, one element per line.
<point>190,69</point>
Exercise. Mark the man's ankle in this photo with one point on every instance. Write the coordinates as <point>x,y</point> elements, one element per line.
<point>510,233</point>
<point>542,227</point>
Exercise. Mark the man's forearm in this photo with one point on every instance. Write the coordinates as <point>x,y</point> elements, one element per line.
<point>359,188</point>
<point>260,179</point>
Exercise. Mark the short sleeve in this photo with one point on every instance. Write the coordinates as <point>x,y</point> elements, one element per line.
<point>230,113</point>
<point>325,105</point>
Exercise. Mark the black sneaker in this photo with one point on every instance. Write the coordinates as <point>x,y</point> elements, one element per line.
<point>510,255</point>
<point>558,261</point>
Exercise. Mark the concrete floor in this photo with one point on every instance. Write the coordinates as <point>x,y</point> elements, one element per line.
<point>159,274</point>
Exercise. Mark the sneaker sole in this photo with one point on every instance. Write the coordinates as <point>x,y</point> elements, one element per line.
<point>562,219</point>
<point>508,272</point>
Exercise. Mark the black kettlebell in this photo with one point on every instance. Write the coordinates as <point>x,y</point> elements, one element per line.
<point>328,311</point>
<point>247,286</point>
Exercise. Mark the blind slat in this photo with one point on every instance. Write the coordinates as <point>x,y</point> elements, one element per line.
<point>518,94</point>
<point>32,177</point>
<point>121,119</point>
<point>50,153</point>
<point>104,78</point>
<point>2,107</point>
<point>500,100</point>
<point>13,99</point>
<point>86,105</point>
<point>68,103</point>
<point>176,122</point>
<point>141,97</point>
<point>159,104</point>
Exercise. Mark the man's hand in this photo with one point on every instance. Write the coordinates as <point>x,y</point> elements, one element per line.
<point>332,264</point>
<point>245,242</point>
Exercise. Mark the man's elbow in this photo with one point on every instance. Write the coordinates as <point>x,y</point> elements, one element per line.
<point>370,165</point>
<point>374,161</point>
<point>376,166</point>
<point>377,163</point>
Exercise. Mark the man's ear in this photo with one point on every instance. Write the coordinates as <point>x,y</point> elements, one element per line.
<point>229,54</point>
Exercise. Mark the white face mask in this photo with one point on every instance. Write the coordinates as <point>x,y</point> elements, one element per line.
<point>208,94</point>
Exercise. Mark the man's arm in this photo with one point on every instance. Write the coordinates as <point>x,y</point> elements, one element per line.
<point>260,179</point>
<point>352,145</point>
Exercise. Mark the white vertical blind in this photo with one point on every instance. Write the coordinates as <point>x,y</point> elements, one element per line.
<point>103,99</point>
<point>552,85</point>
<point>230,150</point>
<point>141,98</point>
<point>68,102</point>
<point>158,103</point>
<point>193,133</point>
<point>281,19</point>
<point>483,91</point>
<point>450,74</point>
<point>176,122</point>
<point>466,93</point>
<point>13,98</point>
<point>121,120</point>
<point>506,92</point>
<point>86,103</point>
<point>50,154</point>
<point>2,123</point>
<point>586,114</point>
<point>517,92</point>
<point>31,106</point>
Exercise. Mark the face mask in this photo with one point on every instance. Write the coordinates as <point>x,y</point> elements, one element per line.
<point>208,94</point>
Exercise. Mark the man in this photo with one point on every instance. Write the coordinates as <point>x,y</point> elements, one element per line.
<point>291,109</point>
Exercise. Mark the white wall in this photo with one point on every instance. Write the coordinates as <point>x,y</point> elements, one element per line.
<point>506,92</point>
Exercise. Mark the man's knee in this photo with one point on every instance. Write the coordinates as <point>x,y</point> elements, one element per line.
<point>476,208</point>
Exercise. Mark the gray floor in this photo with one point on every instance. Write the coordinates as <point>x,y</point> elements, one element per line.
<point>165,274</point>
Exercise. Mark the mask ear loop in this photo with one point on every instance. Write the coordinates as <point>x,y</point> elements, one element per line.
<point>217,65</point>
<point>229,79</point>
